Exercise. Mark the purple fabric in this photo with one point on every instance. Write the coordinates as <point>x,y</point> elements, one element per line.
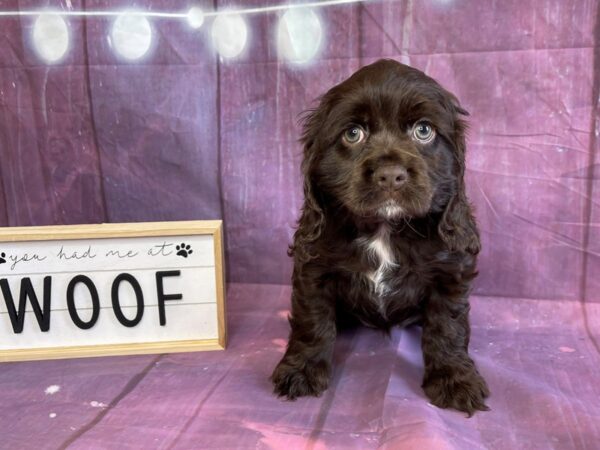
<point>186,135</point>
<point>183,135</point>
<point>541,367</point>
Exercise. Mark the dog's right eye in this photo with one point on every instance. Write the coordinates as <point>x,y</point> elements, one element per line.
<point>353,135</point>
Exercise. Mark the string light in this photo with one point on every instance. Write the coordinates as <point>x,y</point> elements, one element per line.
<point>131,36</point>
<point>195,17</point>
<point>167,15</point>
<point>50,37</point>
<point>229,33</point>
<point>299,35</point>
<point>299,32</point>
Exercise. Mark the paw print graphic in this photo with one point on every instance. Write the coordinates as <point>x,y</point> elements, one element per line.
<point>2,258</point>
<point>184,250</point>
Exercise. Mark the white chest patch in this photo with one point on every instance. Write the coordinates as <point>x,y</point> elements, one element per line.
<point>390,210</point>
<point>380,250</point>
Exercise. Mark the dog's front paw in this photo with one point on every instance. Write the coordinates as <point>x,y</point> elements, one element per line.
<point>291,381</point>
<point>462,390</point>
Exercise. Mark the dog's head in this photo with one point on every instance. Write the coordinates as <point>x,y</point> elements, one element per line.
<point>388,144</point>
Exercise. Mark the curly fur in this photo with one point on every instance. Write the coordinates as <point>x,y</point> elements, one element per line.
<point>383,257</point>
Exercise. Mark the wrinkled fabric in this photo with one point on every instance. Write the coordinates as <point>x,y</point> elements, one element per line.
<point>184,134</point>
<point>539,361</point>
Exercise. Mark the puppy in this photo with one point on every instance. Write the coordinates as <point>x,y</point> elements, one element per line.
<point>386,236</point>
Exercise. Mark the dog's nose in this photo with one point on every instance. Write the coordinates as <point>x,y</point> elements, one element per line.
<point>390,177</point>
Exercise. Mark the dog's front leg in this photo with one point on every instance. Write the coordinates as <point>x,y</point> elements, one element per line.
<point>305,368</point>
<point>451,379</point>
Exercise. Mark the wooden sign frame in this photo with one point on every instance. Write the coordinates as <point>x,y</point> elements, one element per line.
<point>126,230</point>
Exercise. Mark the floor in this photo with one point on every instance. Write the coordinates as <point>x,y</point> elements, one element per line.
<point>540,358</point>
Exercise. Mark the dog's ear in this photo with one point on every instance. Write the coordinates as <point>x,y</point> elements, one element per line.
<point>312,219</point>
<point>458,228</point>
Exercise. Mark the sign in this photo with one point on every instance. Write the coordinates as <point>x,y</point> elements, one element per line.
<point>111,289</point>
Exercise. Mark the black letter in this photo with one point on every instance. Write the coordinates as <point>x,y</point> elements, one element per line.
<point>138,296</point>
<point>71,302</point>
<point>162,297</point>
<point>17,318</point>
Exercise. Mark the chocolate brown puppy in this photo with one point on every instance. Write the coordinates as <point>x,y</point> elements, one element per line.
<point>386,236</point>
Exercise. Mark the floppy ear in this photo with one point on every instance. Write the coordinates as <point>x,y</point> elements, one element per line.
<point>312,219</point>
<point>458,228</point>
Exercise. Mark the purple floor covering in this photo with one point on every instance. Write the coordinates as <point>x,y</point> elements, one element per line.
<point>540,358</point>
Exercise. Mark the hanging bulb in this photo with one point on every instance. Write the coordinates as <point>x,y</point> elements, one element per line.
<point>299,35</point>
<point>195,17</point>
<point>131,36</point>
<point>229,34</point>
<point>51,37</point>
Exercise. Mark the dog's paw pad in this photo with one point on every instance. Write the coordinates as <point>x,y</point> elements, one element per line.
<point>184,250</point>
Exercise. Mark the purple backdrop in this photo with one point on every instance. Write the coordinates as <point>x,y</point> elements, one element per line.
<point>185,134</point>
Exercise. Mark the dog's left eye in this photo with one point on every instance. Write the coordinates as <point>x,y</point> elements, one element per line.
<point>353,135</point>
<point>423,132</point>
